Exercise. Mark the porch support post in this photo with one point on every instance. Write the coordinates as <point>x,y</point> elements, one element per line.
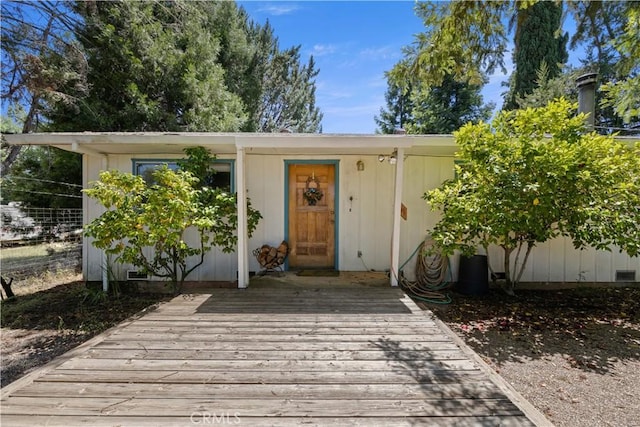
<point>241,187</point>
<point>397,202</point>
<point>105,259</point>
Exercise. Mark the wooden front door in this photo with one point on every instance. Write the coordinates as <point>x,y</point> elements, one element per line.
<point>312,215</point>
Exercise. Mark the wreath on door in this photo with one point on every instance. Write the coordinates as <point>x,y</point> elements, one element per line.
<point>312,192</point>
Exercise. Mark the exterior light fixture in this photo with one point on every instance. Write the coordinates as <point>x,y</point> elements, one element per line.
<point>392,158</point>
<point>360,165</point>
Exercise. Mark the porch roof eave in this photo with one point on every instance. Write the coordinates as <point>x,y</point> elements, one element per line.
<point>112,143</point>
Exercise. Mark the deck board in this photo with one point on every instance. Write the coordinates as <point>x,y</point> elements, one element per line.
<point>273,355</point>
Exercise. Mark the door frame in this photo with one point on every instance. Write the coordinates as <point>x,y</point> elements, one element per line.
<point>336,202</point>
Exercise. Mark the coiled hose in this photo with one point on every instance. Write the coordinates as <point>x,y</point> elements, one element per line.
<point>432,272</point>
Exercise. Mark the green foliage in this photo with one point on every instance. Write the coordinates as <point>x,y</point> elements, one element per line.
<point>152,66</point>
<point>445,108</point>
<point>624,94</point>
<point>462,39</point>
<point>398,110</point>
<point>421,107</point>
<point>40,62</point>
<point>186,66</point>
<point>536,43</point>
<point>40,59</point>
<point>468,40</point>
<point>548,89</point>
<point>287,98</point>
<point>535,175</point>
<point>44,177</point>
<point>8,125</point>
<point>164,217</point>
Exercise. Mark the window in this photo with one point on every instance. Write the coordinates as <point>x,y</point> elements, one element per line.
<point>223,178</point>
<point>145,168</point>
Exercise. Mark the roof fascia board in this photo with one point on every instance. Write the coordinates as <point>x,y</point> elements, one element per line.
<point>291,141</point>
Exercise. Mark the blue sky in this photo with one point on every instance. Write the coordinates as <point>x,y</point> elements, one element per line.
<point>353,44</point>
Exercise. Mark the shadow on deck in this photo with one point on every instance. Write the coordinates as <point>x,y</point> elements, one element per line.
<point>286,351</point>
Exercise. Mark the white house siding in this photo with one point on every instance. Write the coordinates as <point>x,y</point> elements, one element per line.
<point>217,265</point>
<point>265,185</point>
<point>91,257</point>
<point>365,223</point>
<point>553,261</point>
<point>421,173</point>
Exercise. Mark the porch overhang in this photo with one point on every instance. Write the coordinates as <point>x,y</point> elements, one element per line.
<point>241,145</point>
<point>171,143</point>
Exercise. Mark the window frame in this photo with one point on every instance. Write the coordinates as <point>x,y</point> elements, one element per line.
<point>135,163</point>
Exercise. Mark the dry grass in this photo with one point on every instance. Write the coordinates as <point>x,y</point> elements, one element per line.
<point>43,263</point>
<point>44,281</point>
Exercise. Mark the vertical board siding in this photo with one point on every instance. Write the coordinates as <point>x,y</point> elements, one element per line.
<point>378,238</point>
<point>365,221</point>
<point>92,262</point>
<point>553,261</point>
<point>421,174</point>
<point>352,222</point>
<point>265,185</point>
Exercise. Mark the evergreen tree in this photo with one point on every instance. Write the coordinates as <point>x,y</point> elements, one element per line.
<point>445,108</point>
<point>288,94</point>
<point>242,53</point>
<point>397,114</point>
<point>548,89</point>
<point>536,43</point>
<point>40,62</point>
<point>468,39</point>
<point>423,108</point>
<point>152,66</point>
<point>44,177</point>
<point>187,66</point>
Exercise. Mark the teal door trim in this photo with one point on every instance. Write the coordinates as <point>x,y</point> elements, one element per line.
<point>336,202</point>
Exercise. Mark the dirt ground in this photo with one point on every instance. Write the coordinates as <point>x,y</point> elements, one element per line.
<point>574,354</point>
<point>52,315</point>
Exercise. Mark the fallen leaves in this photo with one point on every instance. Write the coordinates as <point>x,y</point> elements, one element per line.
<point>591,326</point>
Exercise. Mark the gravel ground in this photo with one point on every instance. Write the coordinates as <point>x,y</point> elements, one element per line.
<point>574,354</point>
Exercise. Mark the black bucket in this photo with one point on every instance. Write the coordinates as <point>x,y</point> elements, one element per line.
<point>473,275</point>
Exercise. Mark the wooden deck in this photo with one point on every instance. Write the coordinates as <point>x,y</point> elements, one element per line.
<point>275,354</point>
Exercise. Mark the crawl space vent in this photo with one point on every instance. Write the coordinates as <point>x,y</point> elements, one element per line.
<point>625,275</point>
<point>136,275</point>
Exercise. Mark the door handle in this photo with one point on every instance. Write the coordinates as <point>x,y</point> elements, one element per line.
<point>332,216</point>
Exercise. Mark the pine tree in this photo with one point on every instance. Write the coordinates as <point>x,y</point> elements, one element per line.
<point>397,114</point>
<point>40,61</point>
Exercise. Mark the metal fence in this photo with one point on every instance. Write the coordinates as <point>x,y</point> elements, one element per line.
<point>37,240</point>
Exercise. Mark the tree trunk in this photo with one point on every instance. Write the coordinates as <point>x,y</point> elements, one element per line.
<point>507,271</point>
<point>12,155</point>
<point>7,288</point>
<point>34,107</point>
<point>530,245</point>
